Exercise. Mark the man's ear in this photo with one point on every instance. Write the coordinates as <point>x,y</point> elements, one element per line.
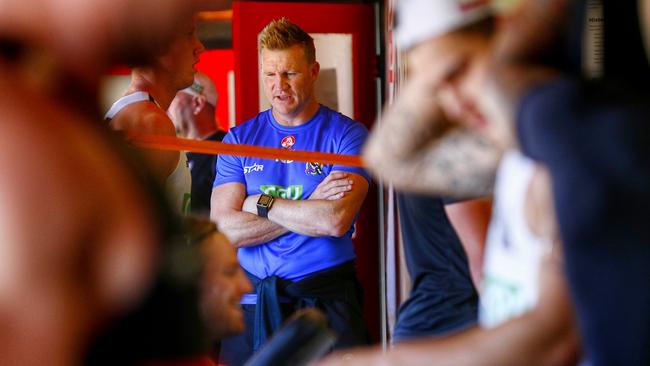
<point>198,102</point>
<point>315,70</point>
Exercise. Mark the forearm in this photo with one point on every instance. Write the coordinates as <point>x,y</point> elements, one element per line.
<point>244,229</point>
<point>311,217</point>
<point>515,343</point>
<point>407,127</point>
<point>462,164</point>
<point>453,350</point>
<point>329,210</point>
<point>307,217</point>
<point>545,335</point>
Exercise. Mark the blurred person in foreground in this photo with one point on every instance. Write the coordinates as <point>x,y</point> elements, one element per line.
<point>222,284</point>
<point>192,112</point>
<point>81,227</point>
<point>447,147</point>
<point>593,134</point>
<point>224,281</point>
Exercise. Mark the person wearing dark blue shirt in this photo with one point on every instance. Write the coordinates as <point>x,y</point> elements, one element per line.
<point>435,139</point>
<point>443,298</point>
<point>192,112</point>
<point>593,134</point>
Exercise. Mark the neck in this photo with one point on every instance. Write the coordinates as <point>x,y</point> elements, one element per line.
<point>160,88</point>
<point>300,117</point>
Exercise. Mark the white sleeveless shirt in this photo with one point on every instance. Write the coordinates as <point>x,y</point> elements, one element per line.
<point>513,254</point>
<point>179,182</point>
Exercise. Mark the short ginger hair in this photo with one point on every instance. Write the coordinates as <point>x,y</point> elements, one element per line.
<point>281,34</point>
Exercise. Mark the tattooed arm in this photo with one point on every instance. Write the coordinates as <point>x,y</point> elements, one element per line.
<point>414,147</point>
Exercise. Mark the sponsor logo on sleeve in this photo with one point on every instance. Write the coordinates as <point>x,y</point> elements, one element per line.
<point>253,168</point>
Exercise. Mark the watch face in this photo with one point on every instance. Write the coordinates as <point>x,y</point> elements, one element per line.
<point>264,200</point>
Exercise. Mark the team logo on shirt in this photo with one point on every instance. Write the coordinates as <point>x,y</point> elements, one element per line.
<point>287,143</point>
<point>314,168</point>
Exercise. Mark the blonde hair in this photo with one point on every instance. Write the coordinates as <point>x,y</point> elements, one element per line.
<point>281,34</point>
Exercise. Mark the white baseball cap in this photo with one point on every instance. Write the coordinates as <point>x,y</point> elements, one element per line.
<point>203,86</point>
<point>418,20</point>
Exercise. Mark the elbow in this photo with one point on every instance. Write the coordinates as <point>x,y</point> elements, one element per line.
<point>378,162</point>
<point>226,228</point>
<point>236,239</point>
<point>382,169</point>
<point>384,166</point>
<point>230,233</point>
<point>371,155</point>
<point>338,225</point>
<point>338,231</point>
<point>233,238</point>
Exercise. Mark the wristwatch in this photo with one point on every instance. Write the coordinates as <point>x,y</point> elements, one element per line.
<point>264,204</point>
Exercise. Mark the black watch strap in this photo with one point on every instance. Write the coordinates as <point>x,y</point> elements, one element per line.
<point>264,204</point>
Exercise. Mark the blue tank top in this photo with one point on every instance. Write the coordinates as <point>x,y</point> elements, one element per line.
<point>292,256</point>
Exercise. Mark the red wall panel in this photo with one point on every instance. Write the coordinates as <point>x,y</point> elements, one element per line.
<point>216,64</point>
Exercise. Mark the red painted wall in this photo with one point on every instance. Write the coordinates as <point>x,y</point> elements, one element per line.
<point>216,64</point>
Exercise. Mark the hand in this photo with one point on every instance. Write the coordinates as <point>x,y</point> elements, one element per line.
<point>333,187</point>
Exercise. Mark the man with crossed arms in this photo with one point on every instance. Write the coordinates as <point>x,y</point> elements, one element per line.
<point>292,221</point>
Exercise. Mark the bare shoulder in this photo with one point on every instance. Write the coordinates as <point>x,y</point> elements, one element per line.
<point>144,117</point>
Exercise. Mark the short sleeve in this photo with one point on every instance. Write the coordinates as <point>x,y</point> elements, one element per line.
<point>229,167</point>
<point>352,144</point>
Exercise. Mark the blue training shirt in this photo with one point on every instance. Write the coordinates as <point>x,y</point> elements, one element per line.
<point>292,256</point>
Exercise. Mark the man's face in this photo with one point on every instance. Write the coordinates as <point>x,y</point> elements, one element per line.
<point>288,80</point>
<point>224,284</point>
<point>192,116</point>
<point>180,59</point>
<point>454,67</point>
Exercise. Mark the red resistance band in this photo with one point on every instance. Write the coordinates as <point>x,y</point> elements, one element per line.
<point>213,147</point>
